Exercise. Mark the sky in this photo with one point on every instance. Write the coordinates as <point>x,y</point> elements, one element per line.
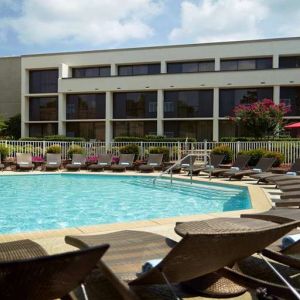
<point>43,26</point>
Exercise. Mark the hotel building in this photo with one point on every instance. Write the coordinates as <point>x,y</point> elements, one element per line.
<point>185,90</point>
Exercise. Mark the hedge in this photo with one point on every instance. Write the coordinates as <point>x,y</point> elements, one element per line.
<point>223,149</point>
<point>152,138</point>
<point>57,138</point>
<point>253,139</point>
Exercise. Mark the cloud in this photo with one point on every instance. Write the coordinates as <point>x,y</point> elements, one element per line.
<point>91,23</point>
<point>223,20</point>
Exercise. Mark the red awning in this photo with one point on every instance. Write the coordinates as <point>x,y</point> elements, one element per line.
<point>293,125</point>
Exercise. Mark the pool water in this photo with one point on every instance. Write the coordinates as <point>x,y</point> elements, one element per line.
<point>39,202</point>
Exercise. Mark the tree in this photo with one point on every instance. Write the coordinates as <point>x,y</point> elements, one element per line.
<point>261,118</point>
<point>13,127</point>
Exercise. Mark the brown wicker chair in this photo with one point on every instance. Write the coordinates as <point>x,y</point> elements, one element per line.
<point>154,161</point>
<point>28,273</point>
<point>53,161</point>
<point>78,161</point>
<point>24,161</point>
<point>240,162</point>
<point>264,164</point>
<point>195,255</point>
<point>104,161</point>
<point>215,161</point>
<point>126,161</point>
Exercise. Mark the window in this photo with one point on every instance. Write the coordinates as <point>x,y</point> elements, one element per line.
<point>40,130</point>
<point>43,81</point>
<point>291,97</point>
<point>134,128</point>
<point>87,130</point>
<point>191,67</point>
<point>145,69</point>
<point>230,128</point>
<point>289,61</point>
<point>86,106</point>
<point>188,104</point>
<point>43,109</point>
<point>134,105</point>
<point>200,130</point>
<point>246,64</point>
<point>229,98</point>
<point>91,72</point>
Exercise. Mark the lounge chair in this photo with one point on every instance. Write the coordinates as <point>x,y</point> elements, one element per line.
<point>24,161</point>
<point>53,161</point>
<point>1,164</point>
<point>78,161</point>
<point>28,273</point>
<point>239,164</point>
<point>215,161</point>
<point>187,163</point>
<point>197,254</point>
<point>104,161</point>
<point>154,161</point>
<point>268,176</point>
<point>243,269</point>
<point>126,161</point>
<point>263,165</point>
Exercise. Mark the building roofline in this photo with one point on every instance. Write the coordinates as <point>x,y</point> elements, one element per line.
<point>164,47</point>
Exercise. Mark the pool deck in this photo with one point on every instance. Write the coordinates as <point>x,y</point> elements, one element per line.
<point>53,240</point>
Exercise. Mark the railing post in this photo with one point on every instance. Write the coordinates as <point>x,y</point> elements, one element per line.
<point>44,148</point>
<point>238,147</point>
<point>142,152</point>
<point>178,150</point>
<point>269,145</point>
<point>205,152</point>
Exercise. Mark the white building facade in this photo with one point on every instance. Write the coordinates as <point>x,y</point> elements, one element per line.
<point>177,91</point>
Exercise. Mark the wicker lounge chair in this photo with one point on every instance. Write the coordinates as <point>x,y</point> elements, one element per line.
<point>1,164</point>
<point>104,161</point>
<point>264,164</point>
<point>187,163</point>
<point>78,161</point>
<point>53,161</point>
<point>28,273</point>
<point>197,254</point>
<point>239,164</point>
<point>268,176</point>
<point>154,161</point>
<point>215,161</point>
<point>241,270</point>
<point>126,161</point>
<point>24,161</point>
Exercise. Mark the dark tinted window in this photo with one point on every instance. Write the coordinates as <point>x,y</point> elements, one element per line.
<point>43,109</point>
<point>145,69</point>
<point>87,130</point>
<point>191,67</point>
<point>291,97</point>
<point>40,130</point>
<point>188,104</point>
<point>289,62</point>
<point>86,106</point>
<point>246,64</point>
<point>135,128</point>
<point>91,72</point>
<point>230,128</point>
<point>135,105</point>
<point>200,130</point>
<point>43,81</point>
<point>229,98</point>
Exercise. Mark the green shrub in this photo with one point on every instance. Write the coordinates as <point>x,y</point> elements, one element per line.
<point>130,149</point>
<point>278,155</point>
<point>75,149</point>
<point>223,149</point>
<point>4,151</point>
<point>256,155</point>
<point>152,138</point>
<point>161,150</point>
<point>283,138</point>
<point>57,138</point>
<point>54,149</point>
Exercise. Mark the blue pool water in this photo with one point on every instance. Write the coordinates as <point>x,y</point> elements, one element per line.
<point>39,202</point>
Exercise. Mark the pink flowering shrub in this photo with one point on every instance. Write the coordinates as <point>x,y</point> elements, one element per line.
<point>92,159</point>
<point>115,159</point>
<point>37,159</point>
<point>261,118</point>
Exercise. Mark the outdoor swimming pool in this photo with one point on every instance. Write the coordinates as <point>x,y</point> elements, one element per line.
<point>39,202</point>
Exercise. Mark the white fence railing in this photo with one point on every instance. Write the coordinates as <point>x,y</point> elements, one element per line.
<point>290,149</point>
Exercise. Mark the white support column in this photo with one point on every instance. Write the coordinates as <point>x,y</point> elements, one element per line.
<point>24,102</point>
<point>163,67</point>
<point>62,114</point>
<point>216,115</point>
<point>108,117</point>
<point>217,64</point>
<point>276,61</point>
<point>64,71</point>
<point>160,112</point>
<point>113,70</point>
<point>276,94</point>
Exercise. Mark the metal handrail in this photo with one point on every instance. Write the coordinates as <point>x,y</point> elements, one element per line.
<point>177,163</point>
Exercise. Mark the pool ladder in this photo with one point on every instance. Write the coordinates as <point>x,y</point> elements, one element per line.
<point>178,163</point>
